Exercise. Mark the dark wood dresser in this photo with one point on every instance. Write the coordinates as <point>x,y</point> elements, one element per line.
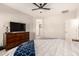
<point>14,39</point>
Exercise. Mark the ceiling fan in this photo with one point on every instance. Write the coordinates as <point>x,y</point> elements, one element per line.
<point>40,6</point>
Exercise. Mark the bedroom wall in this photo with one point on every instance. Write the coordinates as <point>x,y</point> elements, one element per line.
<point>8,14</point>
<point>77,23</point>
<point>54,26</point>
<point>70,25</point>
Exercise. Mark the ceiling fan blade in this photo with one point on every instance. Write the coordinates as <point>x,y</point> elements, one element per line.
<point>46,8</point>
<point>44,4</point>
<point>36,5</point>
<point>35,9</point>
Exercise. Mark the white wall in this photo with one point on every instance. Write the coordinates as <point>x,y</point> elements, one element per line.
<point>70,25</point>
<point>71,29</point>
<point>77,23</point>
<point>8,14</point>
<point>54,26</point>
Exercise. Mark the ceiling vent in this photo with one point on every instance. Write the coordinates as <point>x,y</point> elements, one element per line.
<point>65,11</point>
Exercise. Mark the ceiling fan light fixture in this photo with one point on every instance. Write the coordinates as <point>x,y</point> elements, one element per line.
<point>40,11</point>
<point>40,6</point>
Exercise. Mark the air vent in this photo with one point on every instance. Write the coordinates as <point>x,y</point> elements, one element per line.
<point>65,11</point>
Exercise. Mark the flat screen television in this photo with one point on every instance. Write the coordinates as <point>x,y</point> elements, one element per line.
<point>15,26</point>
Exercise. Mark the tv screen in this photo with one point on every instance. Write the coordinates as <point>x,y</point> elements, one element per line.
<point>14,27</point>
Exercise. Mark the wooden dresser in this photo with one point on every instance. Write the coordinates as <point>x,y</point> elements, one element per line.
<point>14,39</point>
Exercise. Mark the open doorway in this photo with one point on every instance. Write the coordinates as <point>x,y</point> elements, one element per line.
<point>39,28</point>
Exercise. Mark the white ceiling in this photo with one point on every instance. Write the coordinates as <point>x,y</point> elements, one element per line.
<point>56,8</point>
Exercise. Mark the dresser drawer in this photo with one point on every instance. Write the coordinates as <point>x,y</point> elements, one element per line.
<point>15,39</point>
